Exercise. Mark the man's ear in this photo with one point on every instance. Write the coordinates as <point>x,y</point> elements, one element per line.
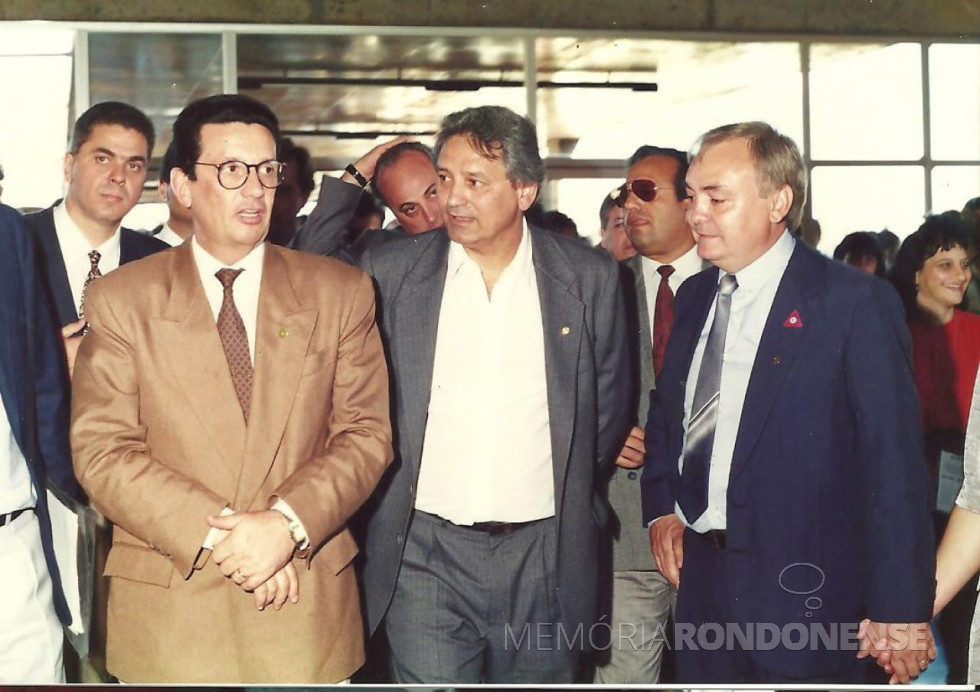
<point>526,194</point>
<point>67,166</point>
<point>781,202</point>
<point>181,186</point>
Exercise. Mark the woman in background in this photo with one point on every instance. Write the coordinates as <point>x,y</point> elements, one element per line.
<point>931,273</point>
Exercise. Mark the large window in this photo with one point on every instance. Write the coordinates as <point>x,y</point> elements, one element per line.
<point>891,130</point>
<point>34,121</point>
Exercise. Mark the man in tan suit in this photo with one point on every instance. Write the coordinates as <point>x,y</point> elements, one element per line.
<point>229,414</point>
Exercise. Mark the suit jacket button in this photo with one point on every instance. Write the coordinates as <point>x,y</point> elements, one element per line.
<point>631,475</point>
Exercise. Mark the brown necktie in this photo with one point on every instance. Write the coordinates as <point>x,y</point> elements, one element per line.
<point>663,317</point>
<point>234,340</point>
<point>93,274</point>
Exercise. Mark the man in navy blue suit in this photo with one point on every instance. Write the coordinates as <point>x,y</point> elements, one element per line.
<point>81,238</point>
<point>34,452</point>
<point>783,481</point>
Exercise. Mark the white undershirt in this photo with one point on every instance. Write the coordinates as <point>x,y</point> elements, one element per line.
<point>487,448</point>
<point>751,304</point>
<point>16,489</point>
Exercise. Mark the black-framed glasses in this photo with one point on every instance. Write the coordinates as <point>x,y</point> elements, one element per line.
<point>233,174</point>
<point>645,190</point>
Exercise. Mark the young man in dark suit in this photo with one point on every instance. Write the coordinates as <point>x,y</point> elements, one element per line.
<point>80,237</point>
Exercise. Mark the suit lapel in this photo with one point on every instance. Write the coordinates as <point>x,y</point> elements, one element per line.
<point>563,320</point>
<point>282,339</point>
<point>778,348</point>
<point>414,316</point>
<point>197,362</point>
<point>645,344</point>
<point>57,275</point>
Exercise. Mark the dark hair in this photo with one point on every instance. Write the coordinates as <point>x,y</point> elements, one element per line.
<point>390,157</point>
<point>297,157</point>
<point>859,245</point>
<point>888,240</point>
<point>938,232</point>
<point>216,110</point>
<point>680,176</point>
<point>608,202</point>
<point>111,113</point>
<point>166,163</point>
<point>497,133</point>
<point>559,223</point>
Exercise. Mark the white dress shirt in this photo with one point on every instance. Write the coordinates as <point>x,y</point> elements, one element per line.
<point>751,305</point>
<point>685,266</point>
<point>487,448</point>
<point>245,290</point>
<point>245,293</point>
<point>75,248</point>
<point>168,236</point>
<point>16,490</point>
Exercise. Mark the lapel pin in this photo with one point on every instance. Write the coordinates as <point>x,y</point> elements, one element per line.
<point>283,333</point>
<point>794,321</point>
<point>565,331</point>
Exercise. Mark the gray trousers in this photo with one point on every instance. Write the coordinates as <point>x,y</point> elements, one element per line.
<point>470,607</point>
<point>642,602</point>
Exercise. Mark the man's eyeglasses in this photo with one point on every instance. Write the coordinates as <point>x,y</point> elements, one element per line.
<point>645,190</point>
<point>233,174</point>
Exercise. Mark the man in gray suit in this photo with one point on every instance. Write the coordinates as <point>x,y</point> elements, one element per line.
<point>654,201</point>
<point>510,371</point>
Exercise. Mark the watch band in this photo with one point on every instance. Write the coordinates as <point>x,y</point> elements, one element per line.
<point>358,176</point>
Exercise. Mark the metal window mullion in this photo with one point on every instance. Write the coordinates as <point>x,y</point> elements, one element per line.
<point>229,62</point>
<point>82,87</point>
<point>926,126</point>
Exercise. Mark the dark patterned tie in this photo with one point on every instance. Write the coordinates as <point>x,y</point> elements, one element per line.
<point>663,317</point>
<point>93,274</point>
<point>234,340</point>
<point>704,411</point>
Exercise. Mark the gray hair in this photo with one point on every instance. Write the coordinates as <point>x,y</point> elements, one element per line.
<point>497,133</point>
<point>777,160</point>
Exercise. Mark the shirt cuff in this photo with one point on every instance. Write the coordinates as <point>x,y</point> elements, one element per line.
<point>213,533</point>
<point>296,527</point>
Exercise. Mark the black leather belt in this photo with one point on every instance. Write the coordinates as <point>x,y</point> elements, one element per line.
<point>9,518</point>
<point>718,537</point>
<point>499,528</point>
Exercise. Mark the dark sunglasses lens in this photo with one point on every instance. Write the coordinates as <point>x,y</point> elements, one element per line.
<point>644,189</point>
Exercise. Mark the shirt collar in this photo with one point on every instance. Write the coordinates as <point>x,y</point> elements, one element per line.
<point>685,266</point>
<point>72,239</point>
<point>770,265</point>
<point>521,262</point>
<point>208,266</point>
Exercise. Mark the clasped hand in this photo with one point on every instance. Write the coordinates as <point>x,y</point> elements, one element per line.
<point>903,650</point>
<point>255,550</point>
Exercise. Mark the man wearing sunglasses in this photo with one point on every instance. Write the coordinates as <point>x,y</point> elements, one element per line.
<point>231,407</point>
<point>654,203</point>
